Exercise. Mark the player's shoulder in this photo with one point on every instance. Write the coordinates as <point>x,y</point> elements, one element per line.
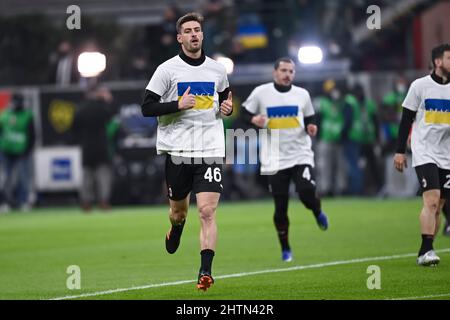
<point>213,64</point>
<point>300,90</point>
<point>421,82</point>
<point>169,63</point>
<point>264,87</point>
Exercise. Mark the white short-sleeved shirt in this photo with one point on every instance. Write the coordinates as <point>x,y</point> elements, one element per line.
<point>285,112</point>
<point>196,132</point>
<point>430,141</point>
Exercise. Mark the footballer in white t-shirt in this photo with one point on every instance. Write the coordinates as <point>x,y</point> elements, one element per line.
<point>189,94</point>
<point>286,112</point>
<point>427,109</point>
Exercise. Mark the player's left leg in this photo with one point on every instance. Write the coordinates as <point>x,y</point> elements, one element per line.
<point>438,217</point>
<point>207,203</point>
<point>207,185</point>
<point>433,187</point>
<point>304,177</point>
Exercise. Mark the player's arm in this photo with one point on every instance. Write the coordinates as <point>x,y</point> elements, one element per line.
<point>408,117</point>
<point>310,125</point>
<point>250,111</point>
<point>159,84</point>
<point>226,102</point>
<point>151,107</point>
<point>247,116</point>
<point>258,120</point>
<point>309,117</point>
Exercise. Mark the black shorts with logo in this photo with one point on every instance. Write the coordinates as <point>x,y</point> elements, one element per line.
<point>303,176</point>
<point>431,177</point>
<point>184,175</point>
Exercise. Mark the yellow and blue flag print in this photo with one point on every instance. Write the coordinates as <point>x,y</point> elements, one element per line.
<point>283,117</point>
<point>253,36</point>
<point>437,111</point>
<point>203,92</point>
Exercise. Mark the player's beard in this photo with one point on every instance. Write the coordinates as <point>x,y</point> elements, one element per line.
<point>445,71</point>
<point>193,49</point>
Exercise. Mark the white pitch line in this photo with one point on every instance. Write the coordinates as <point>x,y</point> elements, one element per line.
<point>423,297</point>
<point>244,274</point>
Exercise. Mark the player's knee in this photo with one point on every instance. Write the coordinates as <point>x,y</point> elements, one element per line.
<point>308,198</point>
<point>207,212</point>
<point>431,200</point>
<point>178,214</point>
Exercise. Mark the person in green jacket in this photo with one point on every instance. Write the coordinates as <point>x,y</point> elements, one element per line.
<point>330,160</point>
<point>369,142</point>
<point>352,136</point>
<point>16,142</point>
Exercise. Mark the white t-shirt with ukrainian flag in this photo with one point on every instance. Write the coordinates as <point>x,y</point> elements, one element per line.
<point>285,112</point>
<point>197,132</point>
<point>430,140</point>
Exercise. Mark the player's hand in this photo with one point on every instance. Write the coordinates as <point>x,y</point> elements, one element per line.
<point>311,129</point>
<point>400,162</point>
<point>227,106</point>
<point>187,101</point>
<point>259,120</point>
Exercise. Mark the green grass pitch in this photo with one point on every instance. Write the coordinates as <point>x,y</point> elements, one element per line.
<point>124,249</point>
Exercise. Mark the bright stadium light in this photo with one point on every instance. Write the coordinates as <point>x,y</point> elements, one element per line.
<point>310,55</point>
<point>227,63</point>
<point>91,64</point>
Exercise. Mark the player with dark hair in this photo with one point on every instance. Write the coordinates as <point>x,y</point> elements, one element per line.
<point>190,94</point>
<point>287,109</point>
<point>428,106</point>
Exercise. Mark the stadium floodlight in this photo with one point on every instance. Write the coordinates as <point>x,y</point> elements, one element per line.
<point>226,62</point>
<point>310,55</point>
<point>91,64</point>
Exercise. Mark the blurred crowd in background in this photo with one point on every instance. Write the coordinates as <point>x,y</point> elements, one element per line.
<point>248,31</point>
<point>357,126</point>
<point>354,149</point>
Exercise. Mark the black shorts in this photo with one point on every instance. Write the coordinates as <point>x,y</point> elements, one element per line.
<point>184,175</point>
<point>303,176</point>
<point>431,177</point>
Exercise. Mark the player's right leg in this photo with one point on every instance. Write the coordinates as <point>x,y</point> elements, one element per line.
<point>279,187</point>
<point>304,178</point>
<point>177,216</point>
<point>179,185</point>
<point>428,175</point>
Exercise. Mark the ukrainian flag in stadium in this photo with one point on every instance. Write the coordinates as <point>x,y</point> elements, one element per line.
<point>283,117</point>
<point>253,36</point>
<point>437,111</point>
<point>203,92</point>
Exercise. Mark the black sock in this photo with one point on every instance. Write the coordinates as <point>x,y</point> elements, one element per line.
<point>178,227</point>
<point>427,243</point>
<point>283,236</point>
<point>207,256</point>
<point>310,200</point>
<point>281,219</point>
